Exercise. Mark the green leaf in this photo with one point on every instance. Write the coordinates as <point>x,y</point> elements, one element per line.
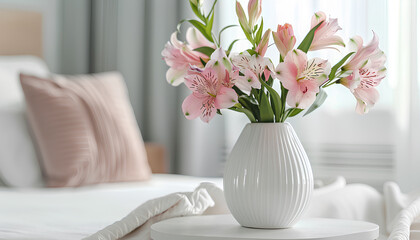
<point>284,92</point>
<point>266,112</point>
<point>225,28</point>
<point>205,50</point>
<point>203,62</point>
<point>270,80</point>
<point>219,112</point>
<point>210,24</point>
<point>200,27</point>
<point>212,8</point>
<point>252,52</point>
<point>231,46</point>
<point>250,104</point>
<point>338,65</point>
<point>281,59</point>
<point>197,12</point>
<point>259,32</point>
<point>249,99</point>
<point>238,91</point>
<point>275,100</point>
<point>255,28</point>
<point>320,99</point>
<point>307,41</point>
<point>246,111</point>
<point>247,35</point>
<point>291,112</point>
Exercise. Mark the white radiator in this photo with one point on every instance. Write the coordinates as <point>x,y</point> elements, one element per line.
<point>362,163</point>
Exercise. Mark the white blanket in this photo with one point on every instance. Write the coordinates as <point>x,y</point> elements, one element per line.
<point>136,225</point>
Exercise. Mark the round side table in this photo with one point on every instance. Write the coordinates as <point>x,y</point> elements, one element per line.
<point>225,227</point>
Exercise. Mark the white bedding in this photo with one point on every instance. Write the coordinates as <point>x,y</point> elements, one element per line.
<point>73,213</point>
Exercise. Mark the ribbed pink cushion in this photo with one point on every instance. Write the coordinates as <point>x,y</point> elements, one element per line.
<point>85,129</point>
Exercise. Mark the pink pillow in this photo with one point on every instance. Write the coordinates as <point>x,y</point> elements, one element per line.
<point>85,129</point>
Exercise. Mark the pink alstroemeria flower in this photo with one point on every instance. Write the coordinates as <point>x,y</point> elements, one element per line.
<point>370,52</point>
<point>178,55</point>
<point>254,11</point>
<point>253,67</point>
<point>208,94</point>
<point>211,87</point>
<point>324,35</point>
<point>302,77</point>
<point>263,45</point>
<point>257,64</point>
<point>226,70</point>
<point>284,39</point>
<point>248,81</point>
<point>367,71</point>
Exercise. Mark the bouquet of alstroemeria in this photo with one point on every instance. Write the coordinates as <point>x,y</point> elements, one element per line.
<point>243,82</point>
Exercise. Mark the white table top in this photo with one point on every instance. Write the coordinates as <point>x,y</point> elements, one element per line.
<point>225,227</point>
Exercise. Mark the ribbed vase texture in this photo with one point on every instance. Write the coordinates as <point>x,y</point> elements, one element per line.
<point>268,179</point>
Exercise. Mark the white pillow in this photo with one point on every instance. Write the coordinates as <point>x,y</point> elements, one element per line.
<point>10,89</point>
<point>19,165</point>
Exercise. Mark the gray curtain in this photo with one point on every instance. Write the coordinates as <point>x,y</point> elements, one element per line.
<point>128,36</point>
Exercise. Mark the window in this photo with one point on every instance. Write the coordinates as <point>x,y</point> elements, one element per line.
<point>337,140</point>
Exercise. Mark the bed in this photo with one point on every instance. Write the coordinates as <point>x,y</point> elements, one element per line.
<point>74,213</point>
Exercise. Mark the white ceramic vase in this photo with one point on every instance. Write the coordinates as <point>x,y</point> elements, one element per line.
<point>268,179</point>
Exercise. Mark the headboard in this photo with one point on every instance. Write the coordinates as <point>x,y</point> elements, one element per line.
<point>20,32</point>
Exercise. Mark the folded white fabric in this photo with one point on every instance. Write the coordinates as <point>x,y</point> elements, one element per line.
<point>402,210</point>
<point>137,223</point>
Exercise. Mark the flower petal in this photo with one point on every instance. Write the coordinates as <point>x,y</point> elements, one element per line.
<point>195,39</point>
<point>306,100</point>
<point>325,34</point>
<point>208,109</point>
<point>226,98</point>
<point>263,45</point>
<point>287,74</point>
<point>366,98</point>
<point>360,58</point>
<point>355,43</point>
<point>297,57</point>
<point>361,107</point>
<point>254,11</point>
<point>191,107</point>
<point>300,99</point>
<point>175,76</point>
<point>175,42</point>
<point>248,81</point>
<point>370,95</point>
<point>202,82</point>
<point>284,39</point>
<point>317,18</point>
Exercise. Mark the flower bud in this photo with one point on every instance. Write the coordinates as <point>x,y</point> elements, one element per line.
<point>242,18</point>
<point>284,39</point>
<point>254,11</point>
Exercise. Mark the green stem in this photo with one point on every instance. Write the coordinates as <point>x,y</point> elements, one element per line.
<point>334,81</point>
<point>330,83</point>
<point>212,8</point>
